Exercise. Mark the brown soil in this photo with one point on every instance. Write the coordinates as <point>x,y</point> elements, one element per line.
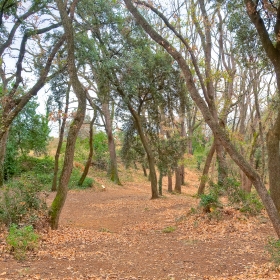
<point>120,233</point>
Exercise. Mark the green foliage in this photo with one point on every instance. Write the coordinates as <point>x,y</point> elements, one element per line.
<point>100,146</point>
<point>38,165</point>
<point>273,248</point>
<point>29,131</point>
<point>170,151</point>
<point>251,204</point>
<point>74,179</point>
<point>81,149</point>
<point>88,183</point>
<point>209,202</point>
<point>35,171</point>
<point>21,204</point>
<point>246,202</point>
<point>132,149</point>
<point>22,240</point>
<point>169,229</point>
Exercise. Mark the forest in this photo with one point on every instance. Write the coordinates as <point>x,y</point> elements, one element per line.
<point>167,145</point>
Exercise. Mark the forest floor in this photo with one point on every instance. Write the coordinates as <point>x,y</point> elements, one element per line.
<point>120,233</point>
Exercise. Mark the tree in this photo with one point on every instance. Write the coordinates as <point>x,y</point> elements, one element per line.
<point>20,26</point>
<point>77,122</point>
<point>29,130</point>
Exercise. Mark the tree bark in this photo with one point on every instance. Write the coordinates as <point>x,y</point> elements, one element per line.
<point>169,176</point>
<point>60,198</point>
<point>273,152</point>
<point>60,141</point>
<point>3,145</point>
<point>89,160</point>
<point>204,177</point>
<point>178,178</point>
<point>144,170</point>
<point>113,166</point>
<point>150,156</point>
<point>160,183</point>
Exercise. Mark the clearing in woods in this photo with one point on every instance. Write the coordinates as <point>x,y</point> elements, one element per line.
<point>120,233</point>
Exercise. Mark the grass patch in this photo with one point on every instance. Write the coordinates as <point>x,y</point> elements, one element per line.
<point>169,229</point>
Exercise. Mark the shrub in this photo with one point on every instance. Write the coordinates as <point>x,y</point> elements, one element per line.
<point>246,202</point>
<point>273,248</point>
<point>21,204</point>
<point>251,204</point>
<point>88,182</point>
<point>22,240</point>
<point>209,201</point>
<point>74,179</point>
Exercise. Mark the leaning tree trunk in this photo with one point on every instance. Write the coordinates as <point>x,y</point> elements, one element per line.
<point>113,166</point>
<point>89,160</point>
<point>204,177</point>
<point>60,198</point>
<point>60,141</point>
<point>144,170</point>
<point>149,153</point>
<point>3,145</point>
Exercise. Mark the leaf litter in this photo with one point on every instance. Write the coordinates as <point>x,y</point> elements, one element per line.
<point>119,234</point>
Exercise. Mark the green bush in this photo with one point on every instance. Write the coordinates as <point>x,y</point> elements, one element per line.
<point>251,204</point>
<point>37,165</point>
<point>273,248</point>
<point>22,240</point>
<point>246,202</point>
<point>74,179</point>
<point>209,201</point>
<point>21,204</point>
<point>88,183</point>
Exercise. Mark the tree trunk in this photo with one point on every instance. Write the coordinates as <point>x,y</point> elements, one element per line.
<point>3,145</point>
<point>273,150</point>
<point>222,164</point>
<point>204,177</point>
<point>160,183</point>
<point>178,177</point>
<point>89,160</point>
<point>113,166</point>
<point>144,170</point>
<point>170,182</point>
<point>60,198</point>
<point>148,150</point>
<point>246,184</point>
<point>60,141</point>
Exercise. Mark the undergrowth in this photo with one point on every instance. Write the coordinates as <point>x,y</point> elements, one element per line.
<point>273,248</point>
<point>247,203</point>
<point>22,204</point>
<point>21,240</point>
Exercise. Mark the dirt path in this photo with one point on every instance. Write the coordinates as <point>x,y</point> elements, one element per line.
<point>120,234</point>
